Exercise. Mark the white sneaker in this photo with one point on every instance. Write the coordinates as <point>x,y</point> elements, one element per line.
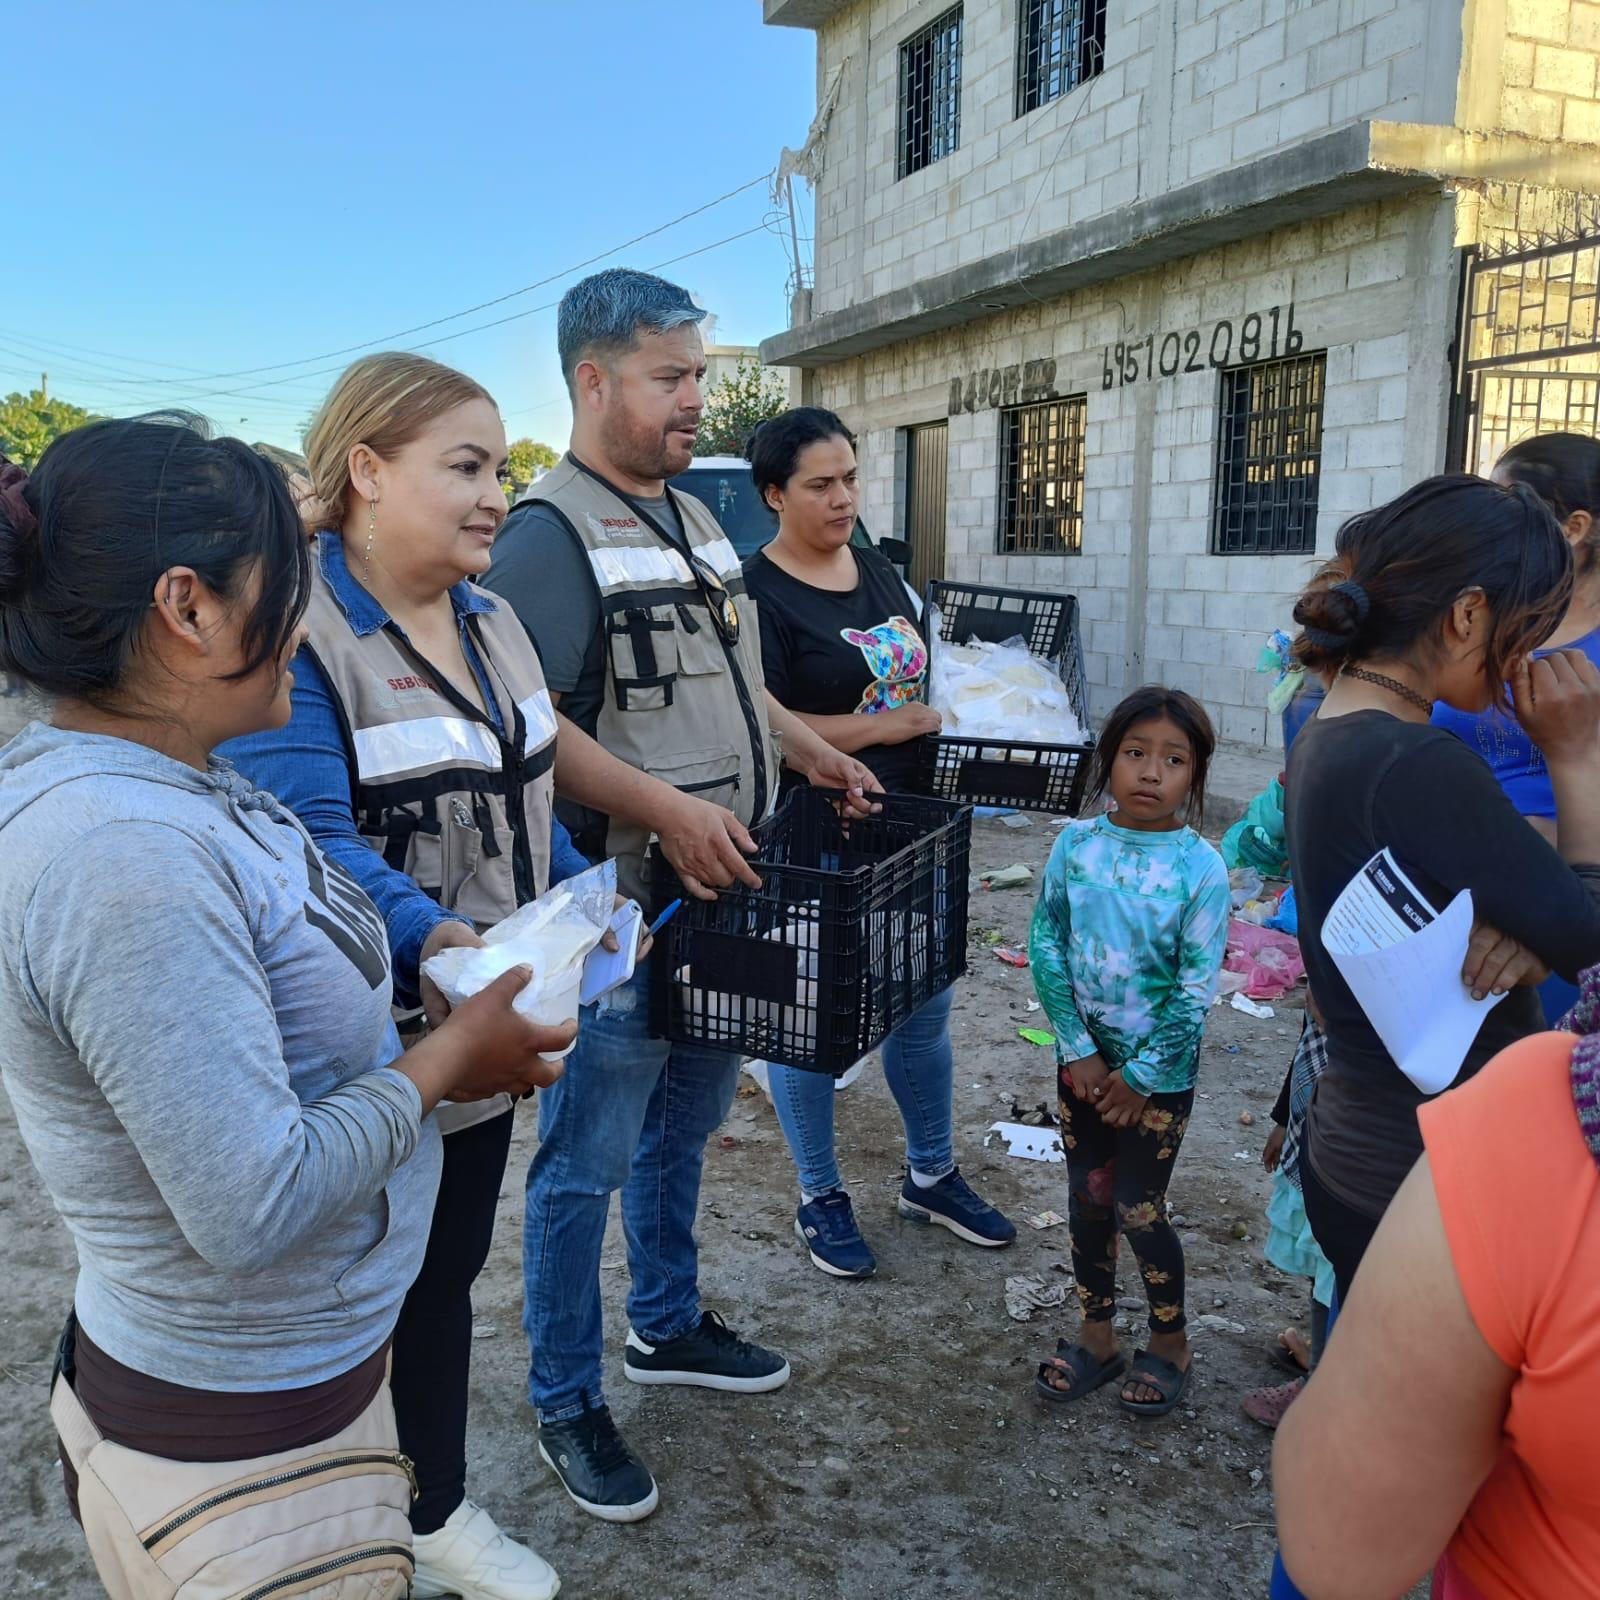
<point>469,1556</point>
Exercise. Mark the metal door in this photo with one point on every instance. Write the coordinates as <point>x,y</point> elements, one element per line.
<point>1528,353</point>
<point>927,468</point>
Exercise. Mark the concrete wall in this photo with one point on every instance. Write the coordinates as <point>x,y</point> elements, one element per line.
<point>1190,87</point>
<point>1375,287</point>
<point>1531,66</point>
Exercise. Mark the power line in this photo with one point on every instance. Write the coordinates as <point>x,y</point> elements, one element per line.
<point>483,305</point>
<point>253,391</point>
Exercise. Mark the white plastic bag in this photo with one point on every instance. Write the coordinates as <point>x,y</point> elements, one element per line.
<point>999,691</point>
<point>553,934</point>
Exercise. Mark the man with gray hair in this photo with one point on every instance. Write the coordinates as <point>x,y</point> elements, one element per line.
<point>636,603</point>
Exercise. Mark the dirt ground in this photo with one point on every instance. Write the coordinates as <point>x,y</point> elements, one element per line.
<point>909,1454</point>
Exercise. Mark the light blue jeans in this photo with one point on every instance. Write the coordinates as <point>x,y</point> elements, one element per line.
<point>919,1067</point>
<point>630,1113</point>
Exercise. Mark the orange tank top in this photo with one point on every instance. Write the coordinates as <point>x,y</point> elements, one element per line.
<point>1519,1193</point>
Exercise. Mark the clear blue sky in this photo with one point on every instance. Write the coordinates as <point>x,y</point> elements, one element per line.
<point>206,187</point>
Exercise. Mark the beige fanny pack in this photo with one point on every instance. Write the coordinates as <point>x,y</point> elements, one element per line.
<point>328,1523</point>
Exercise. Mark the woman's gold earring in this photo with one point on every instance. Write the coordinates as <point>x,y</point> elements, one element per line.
<point>372,528</point>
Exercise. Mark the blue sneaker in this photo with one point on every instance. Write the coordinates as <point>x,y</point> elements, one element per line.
<point>953,1204</point>
<point>827,1228</point>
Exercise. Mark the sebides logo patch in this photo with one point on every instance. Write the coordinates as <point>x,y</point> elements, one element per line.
<point>338,906</point>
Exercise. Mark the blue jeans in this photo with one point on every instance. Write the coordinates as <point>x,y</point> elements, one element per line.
<point>631,1113</point>
<point>919,1066</point>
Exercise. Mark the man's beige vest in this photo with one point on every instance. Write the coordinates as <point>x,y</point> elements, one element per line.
<point>444,797</point>
<point>682,702</point>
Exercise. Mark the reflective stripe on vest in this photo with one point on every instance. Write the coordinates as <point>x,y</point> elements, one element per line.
<point>679,704</point>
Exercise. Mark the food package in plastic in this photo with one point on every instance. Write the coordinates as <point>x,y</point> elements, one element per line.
<point>553,934</point>
<point>999,691</point>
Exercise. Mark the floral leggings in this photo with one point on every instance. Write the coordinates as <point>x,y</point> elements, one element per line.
<point>1119,1182</point>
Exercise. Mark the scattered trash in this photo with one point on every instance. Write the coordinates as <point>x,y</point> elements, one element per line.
<point>1024,1296</point>
<point>1269,962</point>
<point>1031,1144</point>
<point>1287,919</point>
<point>1242,1155</point>
<point>1045,1219</point>
<point>1240,1230</point>
<point>1251,1009</point>
<point>485,1330</point>
<point>1039,1116</point>
<point>1212,1323</point>
<point>728,1142</point>
<point>1059,822</point>
<point>994,811</point>
<point>1016,876</point>
<point>1013,957</point>
<point>1036,1036</point>
<point>1247,1119</point>
<point>1033,1005</point>
<point>1015,819</point>
<point>1230,1049</point>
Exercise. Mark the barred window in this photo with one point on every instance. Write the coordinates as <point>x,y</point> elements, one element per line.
<point>1060,44</point>
<point>930,94</point>
<point>1041,477</point>
<point>1269,457</point>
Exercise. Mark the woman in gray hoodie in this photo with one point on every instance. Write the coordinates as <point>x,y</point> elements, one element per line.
<point>195,1003</point>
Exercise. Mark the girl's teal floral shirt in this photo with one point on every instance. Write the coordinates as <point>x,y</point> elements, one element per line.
<point>1127,943</point>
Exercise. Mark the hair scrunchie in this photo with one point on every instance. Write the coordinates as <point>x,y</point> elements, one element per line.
<point>1357,596</point>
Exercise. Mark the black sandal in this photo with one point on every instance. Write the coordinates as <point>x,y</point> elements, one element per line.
<point>1166,1379</point>
<point>1082,1366</point>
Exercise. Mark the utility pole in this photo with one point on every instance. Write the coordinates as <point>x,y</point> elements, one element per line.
<point>44,385</point>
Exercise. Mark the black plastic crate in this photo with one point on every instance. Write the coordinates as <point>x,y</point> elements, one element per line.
<point>857,924</point>
<point>1015,773</point>
<point>1046,623</point>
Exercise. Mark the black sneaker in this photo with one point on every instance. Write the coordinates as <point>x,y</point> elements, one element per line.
<point>596,1467</point>
<point>712,1357</point>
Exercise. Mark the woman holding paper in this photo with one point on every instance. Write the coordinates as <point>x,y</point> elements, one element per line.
<point>1563,469</point>
<point>1451,586</point>
<point>419,754</point>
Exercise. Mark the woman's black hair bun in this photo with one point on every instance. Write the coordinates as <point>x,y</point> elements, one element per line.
<point>19,532</point>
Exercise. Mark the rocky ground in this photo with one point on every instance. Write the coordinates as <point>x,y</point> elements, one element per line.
<point>909,1454</point>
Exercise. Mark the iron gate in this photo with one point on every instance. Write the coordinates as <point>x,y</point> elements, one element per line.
<point>927,468</point>
<point>1528,349</point>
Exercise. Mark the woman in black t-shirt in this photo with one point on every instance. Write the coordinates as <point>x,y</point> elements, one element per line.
<point>1450,587</point>
<point>841,647</point>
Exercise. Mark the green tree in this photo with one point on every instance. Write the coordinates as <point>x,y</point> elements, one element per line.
<point>525,457</point>
<point>28,422</point>
<point>741,399</point>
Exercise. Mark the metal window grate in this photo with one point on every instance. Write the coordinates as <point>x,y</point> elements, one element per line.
<point>1060,44</point>
<point>1269,457</point>
<point>930,94</point>
<point>1041,477</point>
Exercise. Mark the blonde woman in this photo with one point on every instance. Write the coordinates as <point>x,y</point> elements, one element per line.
<point>420,754</point>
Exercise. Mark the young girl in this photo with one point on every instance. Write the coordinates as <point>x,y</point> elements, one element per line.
<point>1128,940</point>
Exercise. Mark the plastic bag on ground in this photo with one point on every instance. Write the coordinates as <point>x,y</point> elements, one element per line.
<point>553,935</point>
<point>1268,962</point>
<point>999,691</point>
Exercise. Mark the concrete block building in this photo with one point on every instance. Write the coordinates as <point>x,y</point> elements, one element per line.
<point>1139,299</point>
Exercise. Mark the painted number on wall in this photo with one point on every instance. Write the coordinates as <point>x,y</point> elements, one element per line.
<point>1003,386</point>
<point>1260,336</point>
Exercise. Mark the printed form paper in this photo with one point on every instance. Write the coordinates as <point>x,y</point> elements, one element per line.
<point>1402,960</point>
